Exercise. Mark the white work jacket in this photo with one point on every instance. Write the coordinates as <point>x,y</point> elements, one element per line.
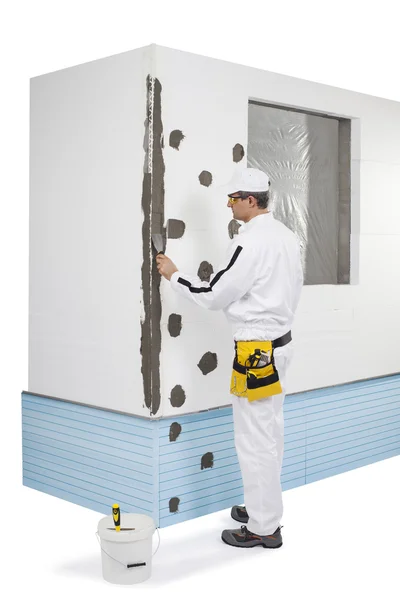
<point>258,285</point>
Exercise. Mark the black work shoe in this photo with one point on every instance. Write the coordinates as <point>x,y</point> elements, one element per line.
<point>239,513</point>
<point>243,538</point>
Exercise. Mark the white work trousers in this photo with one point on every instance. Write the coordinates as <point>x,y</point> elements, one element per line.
<point>259,440</point>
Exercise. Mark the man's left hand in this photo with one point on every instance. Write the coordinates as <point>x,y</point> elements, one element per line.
<point>165,266</point>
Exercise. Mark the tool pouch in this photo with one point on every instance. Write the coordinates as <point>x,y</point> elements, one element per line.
<point>249,380</point>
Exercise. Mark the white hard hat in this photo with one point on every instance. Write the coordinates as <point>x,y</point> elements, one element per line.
<point>249,180</point>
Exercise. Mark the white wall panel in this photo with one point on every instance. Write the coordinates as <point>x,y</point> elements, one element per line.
<point>86,174</point>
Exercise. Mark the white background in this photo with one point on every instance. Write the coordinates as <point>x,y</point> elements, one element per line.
<point>341,535</point>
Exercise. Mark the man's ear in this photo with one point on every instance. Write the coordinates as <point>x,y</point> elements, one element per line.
<point>252,201</point>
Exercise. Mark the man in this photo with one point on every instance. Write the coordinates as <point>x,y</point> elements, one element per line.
<point>258,287</point>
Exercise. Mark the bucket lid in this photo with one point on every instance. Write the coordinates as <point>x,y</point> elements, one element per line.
<point>133,527</point>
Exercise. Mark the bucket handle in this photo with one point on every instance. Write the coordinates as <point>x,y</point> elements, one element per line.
<point>143,564</point>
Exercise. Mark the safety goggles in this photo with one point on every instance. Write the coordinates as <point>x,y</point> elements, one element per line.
<point>233,199</point>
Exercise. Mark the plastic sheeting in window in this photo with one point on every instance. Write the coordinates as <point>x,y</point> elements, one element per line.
<point>300,153</point>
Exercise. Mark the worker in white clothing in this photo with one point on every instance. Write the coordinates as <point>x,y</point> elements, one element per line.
<point>258,287</point>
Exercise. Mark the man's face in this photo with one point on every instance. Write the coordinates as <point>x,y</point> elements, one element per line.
<point>240,206</point>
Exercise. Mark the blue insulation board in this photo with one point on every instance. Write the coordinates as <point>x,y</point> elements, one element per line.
<point>175,469</point>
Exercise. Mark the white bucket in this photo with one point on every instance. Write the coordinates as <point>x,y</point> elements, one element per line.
<point>126,555</point>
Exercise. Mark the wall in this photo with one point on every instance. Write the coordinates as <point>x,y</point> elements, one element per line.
<point>337,327</point>
<point>86,250</point>
<point>95,304</point>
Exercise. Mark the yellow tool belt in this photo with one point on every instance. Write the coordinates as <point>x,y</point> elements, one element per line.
<point>251,381</point>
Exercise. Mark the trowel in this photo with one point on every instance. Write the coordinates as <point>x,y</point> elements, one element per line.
<point>158,238</point>
<point>158,242</point>
<point>116,513</point>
